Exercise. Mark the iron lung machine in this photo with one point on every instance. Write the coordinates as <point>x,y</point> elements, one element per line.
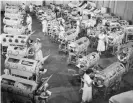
<point>17,45</point>
<point>76,48</point>
<point>19,88</point>
<point>12,22</point>
<point>13,40</point>
<point>23,67</point>
<point>125,55</point>
<point>12,9</point>
<point>125,51</point>
<point>14,30</point>
<point>87,61</point>
<point>22,64</point>
<point>14,15</point>
<point>125,97</point>
<point>10,39</point>
<point>20,51</point>
<point>109,79</point>
<point>128,33</point>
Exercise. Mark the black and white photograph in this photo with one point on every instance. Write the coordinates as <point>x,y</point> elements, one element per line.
<point>66,51</point>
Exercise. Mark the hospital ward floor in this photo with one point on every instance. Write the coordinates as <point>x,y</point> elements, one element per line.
<point>65,89</point>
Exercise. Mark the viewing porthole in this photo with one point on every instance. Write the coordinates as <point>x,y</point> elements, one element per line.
<point>16,40</point>
<point>10,40</point>
<point>24,68</point>
<point>4,40</point>
<point>22,41</point>
<point>16,53</point>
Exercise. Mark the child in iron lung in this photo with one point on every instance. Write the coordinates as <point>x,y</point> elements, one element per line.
<point>6,71</point>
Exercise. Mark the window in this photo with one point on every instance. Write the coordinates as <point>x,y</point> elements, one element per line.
<point>28,63</point>
<point>130,30</point>
<point>10,40</point>
<point>26,86</point>
<point>21,37</point>
<point>130,37</point>
<point>69,33</point>
<point>7,18</point>
<point>22,41</point>
<point>16,40</point>
<point>4,39</point>
<point>8,82</point>
<point>13,60</point>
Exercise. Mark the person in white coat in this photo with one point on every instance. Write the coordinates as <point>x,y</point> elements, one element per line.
<point>38,51</point>
<point>62,31</point>
<point>24,6</point>
<point>44,24</point>
<point>29,22</point>
<point>87,88</point>
<point>77,28</point>
<point>31,8</point>
<point>101,43</point>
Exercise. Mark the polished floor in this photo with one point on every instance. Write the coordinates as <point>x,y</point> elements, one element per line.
<point>64,88</point>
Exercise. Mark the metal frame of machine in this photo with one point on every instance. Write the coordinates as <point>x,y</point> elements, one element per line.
<point>129,33</point>
<point>24,67</point>
<point>125,97</point>
<point>23,90</point>
<point>125,51</point>
<point>14,15</point>
<point>125,55</point>
<point>88,61</point>
<point>21,83</point>
<point>109,79</point>
<point>12,22</point>
<point>21,66</point>
<point>14,30</point>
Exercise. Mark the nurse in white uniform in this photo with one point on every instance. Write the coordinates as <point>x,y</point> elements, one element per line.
<point>101,43</point>
<point>24,7</point>
<point>62,31</point>
<point>31,8</point>
<point>44,24</point>
<point>29,22</point>
<point>87,88</point>
<point>78,27</point>
<point>38,51</point>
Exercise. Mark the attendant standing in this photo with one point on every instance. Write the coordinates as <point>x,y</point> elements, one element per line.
<point>38,51</point>
<point>87,88</point>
